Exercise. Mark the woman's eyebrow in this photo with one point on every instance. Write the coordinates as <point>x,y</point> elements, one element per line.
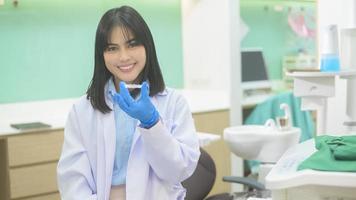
<point>113,44</point>
<point>130,40</point>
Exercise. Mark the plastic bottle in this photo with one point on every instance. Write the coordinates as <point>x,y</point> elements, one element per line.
<point>330,61</point>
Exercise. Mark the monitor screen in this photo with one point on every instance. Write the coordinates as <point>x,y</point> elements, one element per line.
<point>254,71</point>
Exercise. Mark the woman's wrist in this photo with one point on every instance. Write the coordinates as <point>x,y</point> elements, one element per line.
<point>152,121</point>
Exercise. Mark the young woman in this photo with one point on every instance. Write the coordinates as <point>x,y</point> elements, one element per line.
<point>123,143</point>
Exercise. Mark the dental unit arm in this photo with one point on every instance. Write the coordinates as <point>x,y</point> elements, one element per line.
<point>315,88</point>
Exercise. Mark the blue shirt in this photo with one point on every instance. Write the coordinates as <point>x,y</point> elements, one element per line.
<point>125,129</point>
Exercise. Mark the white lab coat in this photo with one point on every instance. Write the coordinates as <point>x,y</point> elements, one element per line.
<point>160,158</point>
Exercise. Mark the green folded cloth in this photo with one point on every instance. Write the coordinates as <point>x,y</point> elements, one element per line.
<point>334,154</point>
<point>346,151</point>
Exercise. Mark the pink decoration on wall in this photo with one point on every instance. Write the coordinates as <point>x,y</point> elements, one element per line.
<point>298,23</point>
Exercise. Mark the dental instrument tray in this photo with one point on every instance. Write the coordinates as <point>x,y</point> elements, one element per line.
<point>30,126</point>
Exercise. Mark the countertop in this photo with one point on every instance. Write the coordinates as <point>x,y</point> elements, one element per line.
<point>54,112</point>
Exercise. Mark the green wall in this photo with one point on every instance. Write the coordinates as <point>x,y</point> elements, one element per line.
<point>47,47</point>
<point>269,30</point>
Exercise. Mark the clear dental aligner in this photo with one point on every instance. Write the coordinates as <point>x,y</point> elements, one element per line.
<point>133,86</point>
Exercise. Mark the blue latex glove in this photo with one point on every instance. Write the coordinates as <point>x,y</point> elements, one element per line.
<point>141,109</point>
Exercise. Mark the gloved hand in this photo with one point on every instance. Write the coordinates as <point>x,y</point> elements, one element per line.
<point>141,109</point>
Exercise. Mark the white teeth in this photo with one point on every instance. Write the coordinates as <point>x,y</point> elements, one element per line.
<point>126,67</point>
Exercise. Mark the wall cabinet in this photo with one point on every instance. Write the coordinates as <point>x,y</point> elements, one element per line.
<point>28,165</point>
<point>215,122</point>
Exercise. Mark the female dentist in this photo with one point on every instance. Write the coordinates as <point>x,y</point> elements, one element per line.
<point>122,143</point>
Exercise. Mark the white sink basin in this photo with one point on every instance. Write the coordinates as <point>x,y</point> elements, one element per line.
<point>262,143</point>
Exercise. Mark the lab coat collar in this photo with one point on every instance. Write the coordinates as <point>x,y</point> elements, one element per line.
<point>163,93</point>
<point>109,87</point>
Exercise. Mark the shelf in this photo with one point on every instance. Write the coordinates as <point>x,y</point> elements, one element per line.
<point>343,74</point>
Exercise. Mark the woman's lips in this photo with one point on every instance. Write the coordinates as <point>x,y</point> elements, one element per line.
<point>126,68</point>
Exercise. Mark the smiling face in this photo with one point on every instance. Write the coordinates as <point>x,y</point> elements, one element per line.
<point>125,57</point>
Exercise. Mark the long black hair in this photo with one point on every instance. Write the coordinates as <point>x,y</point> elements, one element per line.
<point>131,21</point>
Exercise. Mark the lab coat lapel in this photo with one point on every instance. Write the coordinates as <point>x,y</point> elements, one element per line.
<point>100,155</point>
<point>109,149</point>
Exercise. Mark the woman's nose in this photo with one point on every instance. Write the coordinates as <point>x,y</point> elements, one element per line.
<point>124,55</point>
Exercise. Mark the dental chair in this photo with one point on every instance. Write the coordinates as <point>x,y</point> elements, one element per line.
<point>202,180</point>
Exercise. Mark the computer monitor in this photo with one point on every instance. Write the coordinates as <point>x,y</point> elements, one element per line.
<point>254,70</point>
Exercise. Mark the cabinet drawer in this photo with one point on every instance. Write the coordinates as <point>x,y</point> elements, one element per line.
<point>35,148</point>
<point>314,86</point>
<point>54,196</point>
<point>33,180</point>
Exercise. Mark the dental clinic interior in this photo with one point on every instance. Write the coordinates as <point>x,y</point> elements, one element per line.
<point>271,86</point>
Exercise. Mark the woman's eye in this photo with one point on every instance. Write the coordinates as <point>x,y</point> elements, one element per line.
<point>111,48</point>
<point>133,43</point>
